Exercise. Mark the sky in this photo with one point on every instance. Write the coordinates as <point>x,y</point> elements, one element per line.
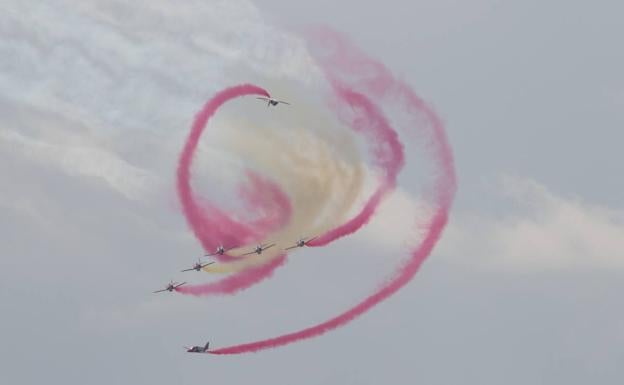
<point>96,99</point>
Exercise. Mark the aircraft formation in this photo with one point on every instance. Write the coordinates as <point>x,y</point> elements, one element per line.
<point>199,265</point>
<point>221,250</point>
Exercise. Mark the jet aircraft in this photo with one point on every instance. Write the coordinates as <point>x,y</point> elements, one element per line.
<point>171,287</point>
<point>198,266</point>
<point>271,101</point>
<point>301,242</point>
<point>219,251</point>
<point>197,349</point>
<point>259,249</point>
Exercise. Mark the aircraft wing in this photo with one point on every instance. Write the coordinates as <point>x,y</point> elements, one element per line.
<point>262,98</point>
<point>251,252</point>
<point>291,247</point>
<point>192,268</point>
<point>158,291</point>
<point>178,285</point>
<point>268,247</point>
<point>281,101</point>
<point>206,264</point>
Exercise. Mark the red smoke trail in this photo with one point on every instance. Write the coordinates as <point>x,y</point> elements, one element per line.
<point>406,273</point>
<point>235,282</point>
<point>444,185</point>
<point>345,63</point>
<point>211,225</point>
<point>264,197</point>
<point>387,153</point>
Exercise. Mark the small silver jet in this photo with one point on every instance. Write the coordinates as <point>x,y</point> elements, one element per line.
<point>219,251</point>
<point>271,101</point>
<point>259,249</point>
<point>198,266</point>
<point>171,287</point>
<point>197,349</point>
<point>301,242</point>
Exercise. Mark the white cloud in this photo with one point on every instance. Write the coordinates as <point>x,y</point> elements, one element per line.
<point>108,91</point>
<point>397,221</point>
<point>547,232</point>
<point>118,174</point>
<point>138,64</point>
<point>537,230</point>
<point>52,140</point>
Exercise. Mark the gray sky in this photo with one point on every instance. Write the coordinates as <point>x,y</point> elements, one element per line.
<point>525,286</point>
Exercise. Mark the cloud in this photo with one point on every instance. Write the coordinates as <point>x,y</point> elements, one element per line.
<point>120,176</point>
<point>534,229</point>
<point>539,230</point>
<point>397,222</point>
<point>107,91</point>
<point>138,64</point>
<point>51,140</point>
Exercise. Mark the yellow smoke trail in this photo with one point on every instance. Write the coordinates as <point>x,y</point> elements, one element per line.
<point>314,160</point>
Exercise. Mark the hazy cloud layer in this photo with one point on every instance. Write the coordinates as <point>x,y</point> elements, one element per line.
<point>538,231</point>
<point>96,98</point>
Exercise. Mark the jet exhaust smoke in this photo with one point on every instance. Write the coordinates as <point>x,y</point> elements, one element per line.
<point>357,83</point>
<point>211,225</point>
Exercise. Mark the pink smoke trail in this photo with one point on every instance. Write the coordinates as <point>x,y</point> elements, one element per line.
<point>236,282</point>
<point>211,225</point>
<point>265,197</point>
<point>345,63</point>
<point>401,279</point>
<point>444,190</point>
<point>387,155</point>
<point>196,214</point>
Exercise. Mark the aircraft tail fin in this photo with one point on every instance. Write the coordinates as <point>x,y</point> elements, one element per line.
<point>206,347</point>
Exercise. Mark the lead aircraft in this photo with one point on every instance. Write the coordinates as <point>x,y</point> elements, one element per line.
<point>271,101</point>
<point>197,349</point>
